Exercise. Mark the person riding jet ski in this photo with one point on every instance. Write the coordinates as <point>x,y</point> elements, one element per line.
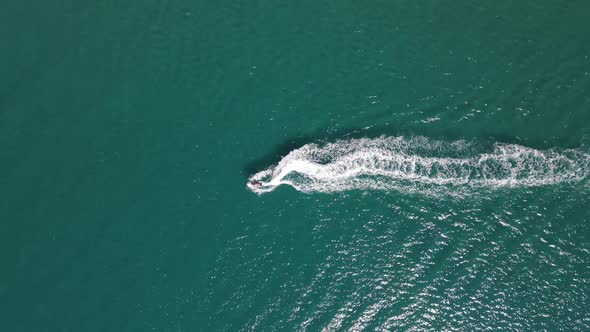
<point>256,183</point>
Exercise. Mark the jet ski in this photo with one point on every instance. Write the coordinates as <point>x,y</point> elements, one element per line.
<point>255,183</point>
<point>259,186</point>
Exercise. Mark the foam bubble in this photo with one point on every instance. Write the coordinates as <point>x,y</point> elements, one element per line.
<point>420,164</point>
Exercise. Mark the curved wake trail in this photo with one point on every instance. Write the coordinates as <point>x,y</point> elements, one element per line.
<point>419,164</point>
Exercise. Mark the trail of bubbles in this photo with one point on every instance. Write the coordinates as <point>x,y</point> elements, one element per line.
<point>419,164</point>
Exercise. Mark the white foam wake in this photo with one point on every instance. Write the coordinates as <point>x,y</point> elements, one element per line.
<point>419,164</point>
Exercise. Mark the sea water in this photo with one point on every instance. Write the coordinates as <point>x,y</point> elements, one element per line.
<point>424,165</point>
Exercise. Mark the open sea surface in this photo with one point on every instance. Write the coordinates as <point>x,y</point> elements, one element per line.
<point>423,165</point>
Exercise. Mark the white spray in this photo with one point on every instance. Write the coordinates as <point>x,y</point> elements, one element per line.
<point>419,164</point>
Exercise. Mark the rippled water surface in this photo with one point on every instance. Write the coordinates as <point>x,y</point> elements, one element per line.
<point>423,165</point>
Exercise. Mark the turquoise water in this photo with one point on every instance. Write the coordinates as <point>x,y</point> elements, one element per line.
<point>425,166</point>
